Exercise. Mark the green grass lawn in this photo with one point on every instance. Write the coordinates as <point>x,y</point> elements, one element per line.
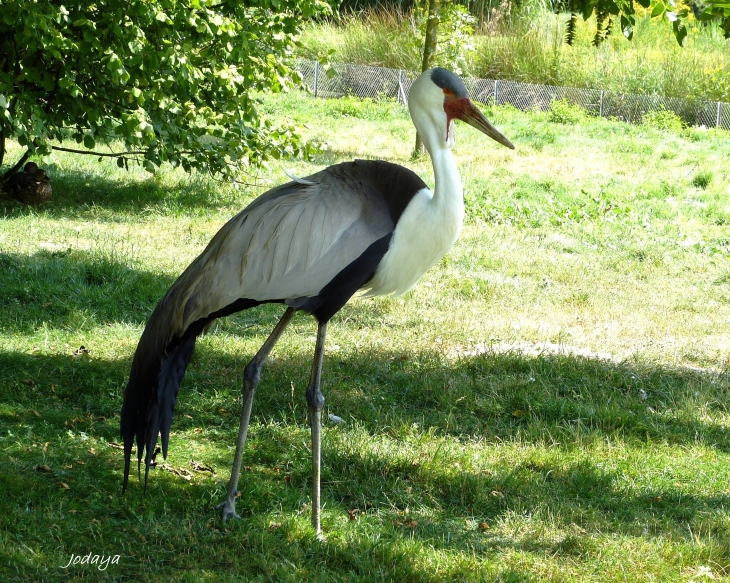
<point>550,402</point>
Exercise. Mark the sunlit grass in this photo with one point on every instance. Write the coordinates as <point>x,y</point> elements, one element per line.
<point>548,404</point>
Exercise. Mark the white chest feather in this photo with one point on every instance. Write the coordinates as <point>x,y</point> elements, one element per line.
<point>425,232</point>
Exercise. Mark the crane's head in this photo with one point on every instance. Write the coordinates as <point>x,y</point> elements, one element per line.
<point>436,99</point>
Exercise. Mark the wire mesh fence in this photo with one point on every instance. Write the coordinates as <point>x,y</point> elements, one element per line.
<point>380,82</point>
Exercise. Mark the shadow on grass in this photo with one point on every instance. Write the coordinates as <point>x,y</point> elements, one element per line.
<point>78,194</point>
<point>497,397</point>
<point>73,289</point>
<point>60,411</point>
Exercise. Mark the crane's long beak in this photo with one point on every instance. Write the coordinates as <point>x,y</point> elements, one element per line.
<point>475,118</point>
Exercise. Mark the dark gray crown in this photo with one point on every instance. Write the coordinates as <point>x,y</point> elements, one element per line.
<point>447,80</point>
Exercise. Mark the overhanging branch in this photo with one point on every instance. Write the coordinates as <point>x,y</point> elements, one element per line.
<point>92,153</point>
<point>112,154</point>
<point>18,165</point>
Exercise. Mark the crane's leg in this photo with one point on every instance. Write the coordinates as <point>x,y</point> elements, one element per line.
<point>315,402</point>
<point>251,376</point>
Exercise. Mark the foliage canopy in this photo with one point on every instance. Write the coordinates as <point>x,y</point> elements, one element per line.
<point>171,80</point>
<point>625,11</point>
<point>175,80</point>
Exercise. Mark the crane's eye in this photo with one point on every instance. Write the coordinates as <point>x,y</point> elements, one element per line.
<point>449,93</point>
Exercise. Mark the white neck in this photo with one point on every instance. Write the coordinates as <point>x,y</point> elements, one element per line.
<point>431,222</point>
<point>447,181</point>
<point>447,188</point>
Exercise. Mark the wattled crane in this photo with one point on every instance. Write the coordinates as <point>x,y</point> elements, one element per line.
<point>309,244</point>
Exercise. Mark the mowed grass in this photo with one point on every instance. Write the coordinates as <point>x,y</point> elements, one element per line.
<point>550,402</point>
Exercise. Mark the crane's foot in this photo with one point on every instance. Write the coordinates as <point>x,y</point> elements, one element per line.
<point>229,509</point>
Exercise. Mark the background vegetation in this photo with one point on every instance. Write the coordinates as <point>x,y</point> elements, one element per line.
<point>167,82</point>
<point>548,404</point>
<point>526,42</point>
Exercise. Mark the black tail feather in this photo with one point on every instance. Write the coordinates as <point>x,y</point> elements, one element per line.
<point>171,375</point>
<point>151,431</point>
<point>154,381</point>
<point>126,471</point>
<point>149,401</point>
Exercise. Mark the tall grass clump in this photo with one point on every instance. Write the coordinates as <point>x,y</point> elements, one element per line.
<point>374,37</point>
<point>532,49</point>
<point>394,38</point>
<point>527,44</point>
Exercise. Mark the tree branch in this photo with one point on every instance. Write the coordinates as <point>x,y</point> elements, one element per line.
<point>92,153</point>
<point>18,165</point>
<point>429,49</point>
<point>110,155</point>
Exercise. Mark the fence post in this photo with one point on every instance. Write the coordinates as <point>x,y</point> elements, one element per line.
<point>600,107</point>
<point>495,91</point>
<point>719,110</point>
<point>401,91</point>
<point>316,76</point>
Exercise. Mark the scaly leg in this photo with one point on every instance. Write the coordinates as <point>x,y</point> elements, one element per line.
<point>315,402</point>
<point>251,376</point>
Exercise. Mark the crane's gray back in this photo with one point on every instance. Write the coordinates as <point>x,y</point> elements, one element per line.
<point>293,240</point>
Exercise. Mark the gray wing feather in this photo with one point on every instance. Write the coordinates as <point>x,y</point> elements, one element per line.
<point>283,247</point>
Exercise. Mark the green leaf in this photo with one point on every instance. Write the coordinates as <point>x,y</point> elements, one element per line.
<point>89,141</point>
<point>659,9</point>
<point>707,14</point>
<point>680,31</point>
<point>627,27</point>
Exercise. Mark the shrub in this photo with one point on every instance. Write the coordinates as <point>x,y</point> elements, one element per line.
<point>663,119</point>
<point>562,111</point>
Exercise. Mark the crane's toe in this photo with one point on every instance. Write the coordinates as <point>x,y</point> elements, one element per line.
<point>229,509</point>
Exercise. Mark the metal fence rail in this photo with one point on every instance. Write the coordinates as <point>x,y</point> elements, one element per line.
<point>379,82</point>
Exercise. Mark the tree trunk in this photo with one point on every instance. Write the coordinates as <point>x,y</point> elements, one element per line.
<point>2,143</point>
<point>429,49</point>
